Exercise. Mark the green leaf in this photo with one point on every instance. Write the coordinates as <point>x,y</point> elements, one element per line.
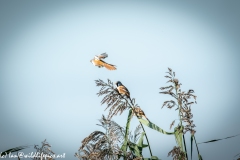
<point>154,126</point>
<point>200,157</point>
<point>178,132</point>
<point>124,146</point>
<point>140,141</point>
<point>135,149</point>
<point>144,145</point>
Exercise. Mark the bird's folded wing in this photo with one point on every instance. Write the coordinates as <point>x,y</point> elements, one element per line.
<point>123,89</point>
<point>126,89</point>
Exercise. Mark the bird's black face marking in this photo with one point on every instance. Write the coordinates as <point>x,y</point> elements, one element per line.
<point>118,83</point>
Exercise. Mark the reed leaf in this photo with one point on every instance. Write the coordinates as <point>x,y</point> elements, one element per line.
<point>214,140</point>
<point>178,132</point>
<point>154,126</point>
<point>140,142</point>
<point>137,148</point>
<point>124,146</point>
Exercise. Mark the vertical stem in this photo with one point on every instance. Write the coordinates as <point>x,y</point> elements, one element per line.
<point>147,139</point>
<point>185,146</point>
<point>126,134</point>
<point>142,128</point>
<point>196,144</point>
<point>179,111</point>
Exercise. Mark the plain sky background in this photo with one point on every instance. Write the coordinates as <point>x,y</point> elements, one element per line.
<point>47,88</point>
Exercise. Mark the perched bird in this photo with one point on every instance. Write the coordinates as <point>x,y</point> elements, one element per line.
<point>139,113</point>
<point>122,89</point>
<point>97,61</point>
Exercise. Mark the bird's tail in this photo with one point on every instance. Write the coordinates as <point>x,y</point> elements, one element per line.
<point>109,66</point>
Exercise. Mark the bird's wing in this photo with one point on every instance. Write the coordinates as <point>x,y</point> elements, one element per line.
<point>102,56</point>
<point>123,90</point>
<point>97,62</point>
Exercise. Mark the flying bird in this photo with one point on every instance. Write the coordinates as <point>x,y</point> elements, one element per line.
<point>122,89</point>
<point>97,61</point>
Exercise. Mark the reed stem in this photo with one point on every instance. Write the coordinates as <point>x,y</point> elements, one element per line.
<point>131,105</point>
<point>196,146</point>
<point>179,114</point>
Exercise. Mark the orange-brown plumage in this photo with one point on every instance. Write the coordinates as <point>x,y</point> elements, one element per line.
<point>122,89</point>
<point>100,63</point>
<point>139,113</point>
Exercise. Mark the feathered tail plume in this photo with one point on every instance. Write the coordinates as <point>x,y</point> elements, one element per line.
<point>109,66</point>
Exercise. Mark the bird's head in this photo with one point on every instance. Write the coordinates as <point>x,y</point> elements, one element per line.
<point>118,83</point>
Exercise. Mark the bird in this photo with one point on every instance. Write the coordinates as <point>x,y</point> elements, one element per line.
<point>139,113</point>
<point>97,61</point>
<point>122,89</point>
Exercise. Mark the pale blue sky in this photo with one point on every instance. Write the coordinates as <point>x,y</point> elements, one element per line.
<point>47,87</point>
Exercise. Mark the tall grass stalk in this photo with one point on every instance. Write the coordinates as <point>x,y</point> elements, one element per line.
<point>179,114</point>
<point>143,131</point>
<point>184,110</point>
<point>131,105</point>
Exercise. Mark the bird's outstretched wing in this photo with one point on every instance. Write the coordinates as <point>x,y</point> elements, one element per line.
<point>102,56</point>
